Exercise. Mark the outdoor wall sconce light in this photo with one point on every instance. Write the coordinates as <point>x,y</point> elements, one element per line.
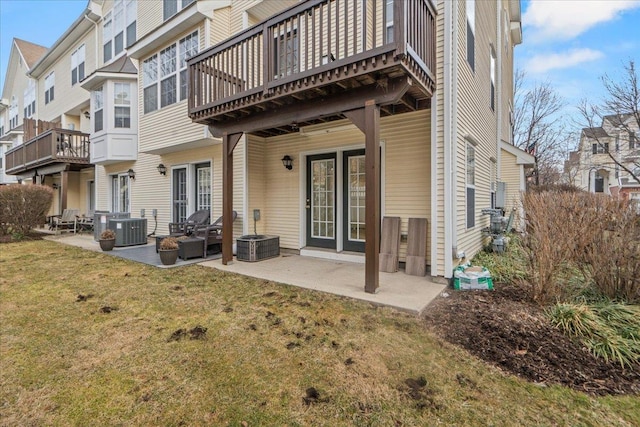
<point>287,162</point>
<point>162,169</point>
<point>87,115</point>
<point>132,174</point>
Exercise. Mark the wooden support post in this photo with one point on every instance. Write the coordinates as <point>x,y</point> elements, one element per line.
<point>64,185</point>
<point>367,119</point>
<point>229,142</point>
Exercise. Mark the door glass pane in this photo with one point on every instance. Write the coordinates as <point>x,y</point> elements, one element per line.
<point>124,193</point>
<point>179,195</point>
<point>356,198</point>
<point>322,188</point>
<point>203,187</point>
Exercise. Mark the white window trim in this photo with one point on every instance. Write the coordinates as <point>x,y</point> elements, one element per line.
<point>14,113</point>
<point>180,5</point>
<point>468,185</point>
<point>49,87</point>
<point>98,106</point>
<point>78,58</point>
<point>29,99</point>
<point>116,23</point>
<point>122,105</point>
<point>176,71</point>
<point>115,192</point>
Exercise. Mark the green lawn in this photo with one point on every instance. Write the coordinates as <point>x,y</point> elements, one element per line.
<point>117,358</point>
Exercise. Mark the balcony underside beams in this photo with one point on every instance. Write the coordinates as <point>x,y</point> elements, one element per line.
<point>384,93</point>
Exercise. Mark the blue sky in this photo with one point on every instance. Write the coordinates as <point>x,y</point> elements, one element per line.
<point>570,43</point>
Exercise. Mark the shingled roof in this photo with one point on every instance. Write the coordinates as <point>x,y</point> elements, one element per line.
<point>595,132</point>
<point>31,52</point>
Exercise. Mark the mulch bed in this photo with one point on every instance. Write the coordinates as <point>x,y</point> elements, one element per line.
<point>504,329</point>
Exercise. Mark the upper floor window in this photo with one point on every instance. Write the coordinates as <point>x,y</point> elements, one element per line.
<point>13,113</point>
<point>49,83</point>
<point>285,54</point>
<point>492,94</point>
<point>119,23</point>
<point>171,7</point>
<point>98,110</point>
<point>471,30</point>
<point>165,74</point>
<point>388,19</point>
<point>77,65</point>
<point>122,105</point>
<point>634,142</point>
<point>600,148</point>
<point>30,99</point>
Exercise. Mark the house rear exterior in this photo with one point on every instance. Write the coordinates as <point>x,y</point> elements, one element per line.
<point>384,108</point>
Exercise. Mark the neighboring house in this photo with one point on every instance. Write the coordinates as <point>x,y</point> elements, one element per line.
<point>596,170</point>
<point>517,164</point>
<point>269,105</point>
<point>18,99</point>
<point>54,150</point>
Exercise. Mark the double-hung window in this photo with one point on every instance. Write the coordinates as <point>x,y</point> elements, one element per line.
<point>171,7</point>
<point>118,24</point>
<point>122,105</point>
<point>471,186</point>
<point>49,84</point>
<point>13,113</point>
<point>600,148</point>
<point>98,110</point>
<point>492,92</point>
<point>150,83</point>
<point>388,19</point>
<point>77,65</point>
<point>634,142</point>
<point>285,54</point>
<point>30,99</point>
<point>188,47</point>
<point>168,78</point>
<point>164,74</point>
<point>120,193</point>
<point>471,31</point>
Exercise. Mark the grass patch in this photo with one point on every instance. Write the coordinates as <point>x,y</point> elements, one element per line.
<point>506,267</point>
<point>609,330</point>
<point>195,346</point>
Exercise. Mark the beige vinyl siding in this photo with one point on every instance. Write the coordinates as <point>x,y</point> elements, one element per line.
<point>167,126</point>
<point>511,176</point>
<point>67,97</point>
<point>149,17</point>
<point>17,81</point>
<point>406,170</point>
<point>219,26</point>
<point>476,119</point>
<point>438,147</point>
<point>256,185</point>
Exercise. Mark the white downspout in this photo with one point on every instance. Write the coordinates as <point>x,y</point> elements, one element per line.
<point>498,94</point>
<point>450,132</point>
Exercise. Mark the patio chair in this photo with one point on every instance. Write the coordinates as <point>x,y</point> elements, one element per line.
<point>212,233</point>
<point>201,217</point>
<point>68,221</point>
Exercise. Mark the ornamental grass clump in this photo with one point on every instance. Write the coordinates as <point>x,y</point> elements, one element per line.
<point>107,234</point>
<point>609,330</point>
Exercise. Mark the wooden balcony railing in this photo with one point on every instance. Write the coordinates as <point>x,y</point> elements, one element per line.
<point>51,146</point>
<point>310,45</point>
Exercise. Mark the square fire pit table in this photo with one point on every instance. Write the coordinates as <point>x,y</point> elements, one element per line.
<point>193,247</point>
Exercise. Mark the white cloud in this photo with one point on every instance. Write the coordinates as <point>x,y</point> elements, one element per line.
<point>564,20</point>
<point>543,63</point>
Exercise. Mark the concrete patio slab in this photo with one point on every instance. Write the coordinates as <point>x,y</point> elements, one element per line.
<point>398,290</point>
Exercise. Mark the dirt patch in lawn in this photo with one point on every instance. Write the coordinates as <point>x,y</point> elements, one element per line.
<point>502,328</point>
